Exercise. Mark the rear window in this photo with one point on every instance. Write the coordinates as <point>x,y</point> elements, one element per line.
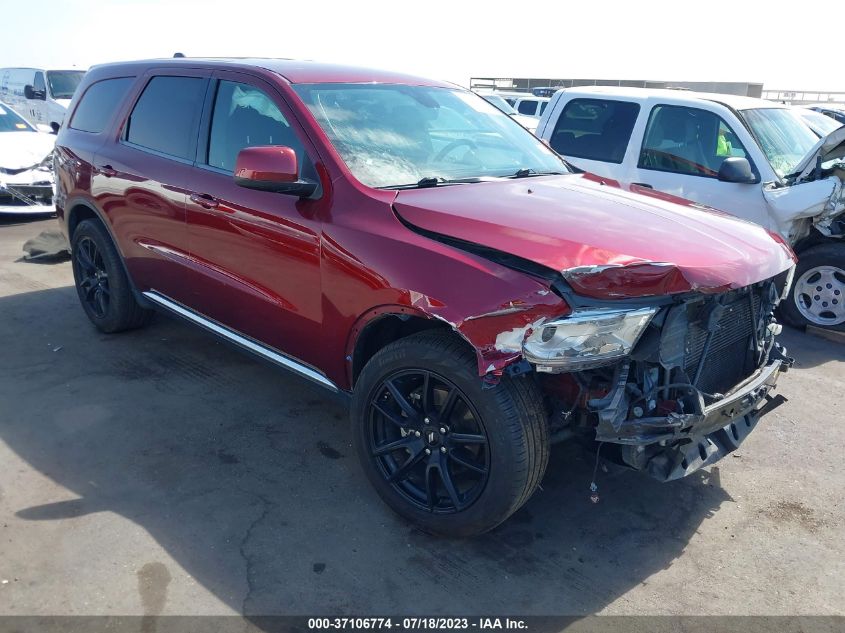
<point>595,129</point>
<point>528,107</point>
<point>165,117</point>
<point>99,103</point>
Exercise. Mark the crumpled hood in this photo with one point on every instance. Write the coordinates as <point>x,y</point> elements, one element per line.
<point>20,150</point>
<point>606,240</point>
<point>831,147</point>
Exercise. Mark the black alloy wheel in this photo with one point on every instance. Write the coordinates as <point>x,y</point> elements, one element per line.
<point>104,290</point>
<point>444,449</point>
<point>428,441</point>
<point>92,276</point>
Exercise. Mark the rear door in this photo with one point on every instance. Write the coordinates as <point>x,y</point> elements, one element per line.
<point>257,253</point>
<point>18,79</point>
<point>593,133</point>
<point>142,175</point>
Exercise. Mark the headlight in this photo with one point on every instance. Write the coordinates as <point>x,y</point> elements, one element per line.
<point>586,339</point>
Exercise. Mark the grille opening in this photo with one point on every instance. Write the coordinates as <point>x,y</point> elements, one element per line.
<point>730,354</point>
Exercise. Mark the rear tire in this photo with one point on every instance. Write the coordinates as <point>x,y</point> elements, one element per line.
<point>453,457</point>
<point>817,296</point>
<point>101,282</point>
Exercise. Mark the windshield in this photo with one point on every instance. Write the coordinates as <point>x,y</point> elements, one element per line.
<point>784,138</point>
<point>12,122</point>
<point>818,122</point>
<point>63,83</point>
<point>397,135</point>
<point>500,103</point>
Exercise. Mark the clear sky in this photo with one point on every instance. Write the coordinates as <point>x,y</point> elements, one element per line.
<point>776,43</point>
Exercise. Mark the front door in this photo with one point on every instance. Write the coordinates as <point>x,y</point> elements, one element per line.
<point>257,253</point>
<point>681,152</point>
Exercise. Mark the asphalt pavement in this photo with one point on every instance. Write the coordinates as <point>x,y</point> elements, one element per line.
<point>163,472</point>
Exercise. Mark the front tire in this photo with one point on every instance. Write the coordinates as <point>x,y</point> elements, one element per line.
<point>817,296</point>
<point>441,450</point>
<point>101,282</point>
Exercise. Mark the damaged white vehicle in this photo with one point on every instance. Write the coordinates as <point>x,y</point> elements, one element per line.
<point>26,166</point>
<point>753,158</point>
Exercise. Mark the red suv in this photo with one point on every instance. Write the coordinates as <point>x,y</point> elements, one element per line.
<point>402,241</point>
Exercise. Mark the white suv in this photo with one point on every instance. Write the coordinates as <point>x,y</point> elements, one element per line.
<point>525,103</point>
<point>750,157</point>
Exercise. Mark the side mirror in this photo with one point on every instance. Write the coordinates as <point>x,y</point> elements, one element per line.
<point>736,169</point>
<point>31,93</point>
<point>47,129</point>
<point>271,168</point>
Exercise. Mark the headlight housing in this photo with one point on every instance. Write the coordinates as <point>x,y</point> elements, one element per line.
<point>586,339</point>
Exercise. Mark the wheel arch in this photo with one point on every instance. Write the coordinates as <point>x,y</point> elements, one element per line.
<point>816,238</point>
<point>81,210</point>
<point>384,325</point>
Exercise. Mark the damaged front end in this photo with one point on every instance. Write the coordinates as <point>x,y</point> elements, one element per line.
<point>814,196</point>
<point>676,385</point>
<point>27,189</point>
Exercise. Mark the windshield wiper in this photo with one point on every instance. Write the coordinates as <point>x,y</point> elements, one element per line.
<point>429,181</point>
<point>435,181</point>
<point>525,172</point>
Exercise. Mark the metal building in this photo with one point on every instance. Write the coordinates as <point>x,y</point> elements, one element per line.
<point>523,84</point>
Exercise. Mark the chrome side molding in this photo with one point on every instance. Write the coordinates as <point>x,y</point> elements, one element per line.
<point>241,341</point>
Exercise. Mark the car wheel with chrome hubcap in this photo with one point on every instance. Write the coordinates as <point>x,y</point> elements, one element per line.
<point>817,296</point>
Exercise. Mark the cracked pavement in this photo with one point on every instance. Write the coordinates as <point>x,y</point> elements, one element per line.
<point>162,472</point>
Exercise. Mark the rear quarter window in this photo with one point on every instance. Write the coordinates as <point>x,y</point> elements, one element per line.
<point>99,103</point>
<point>595,129</point>
<point>166,116</point>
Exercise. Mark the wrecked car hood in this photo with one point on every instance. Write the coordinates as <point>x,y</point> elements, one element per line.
<point>831,147</point>
<point>809,197</point>
<point>22,150</point>
<point>605,240</point>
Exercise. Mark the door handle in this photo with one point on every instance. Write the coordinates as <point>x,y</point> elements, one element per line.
<point>643,184</point>
<point>204,200</point>
<point>106,170</point>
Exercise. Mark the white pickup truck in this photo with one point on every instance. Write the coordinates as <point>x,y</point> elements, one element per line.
<point>753,158</point>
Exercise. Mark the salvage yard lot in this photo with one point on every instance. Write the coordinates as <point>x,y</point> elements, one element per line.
<point>162,472</point>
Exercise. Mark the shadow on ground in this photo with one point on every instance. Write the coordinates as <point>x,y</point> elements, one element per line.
<point>811,350</point>
<point>245,477</point>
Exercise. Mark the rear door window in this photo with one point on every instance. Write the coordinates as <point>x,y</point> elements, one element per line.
<point>595,129</point>
<point>244,116</point>
<point>166,116</point>
<point>99,103</point>
<point>527,107</point>
<point>688,141</point>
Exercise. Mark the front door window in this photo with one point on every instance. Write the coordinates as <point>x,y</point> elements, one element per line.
<point>688,141</point>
